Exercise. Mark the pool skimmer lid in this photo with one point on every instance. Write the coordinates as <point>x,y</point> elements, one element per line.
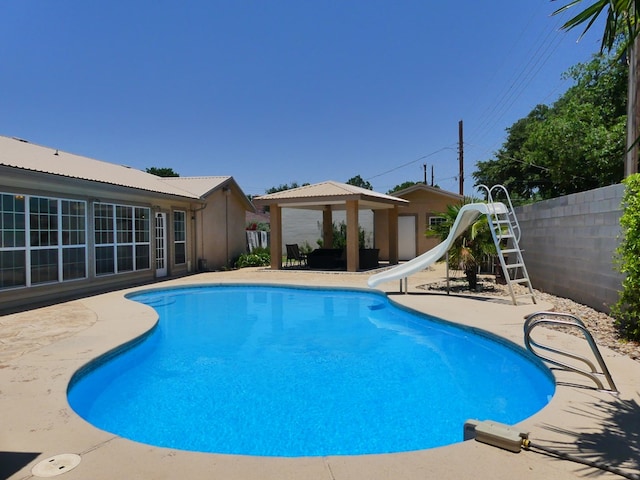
<point>56,465</point>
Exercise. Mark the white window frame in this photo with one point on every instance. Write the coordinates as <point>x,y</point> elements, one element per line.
<point>59,237</point>
<point>122,230</point>
<point>176,240</point>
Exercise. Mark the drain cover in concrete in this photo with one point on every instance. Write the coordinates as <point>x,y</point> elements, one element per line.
<point>57,465</point>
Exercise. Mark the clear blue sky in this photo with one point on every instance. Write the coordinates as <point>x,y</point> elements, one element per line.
<point>281,91</point>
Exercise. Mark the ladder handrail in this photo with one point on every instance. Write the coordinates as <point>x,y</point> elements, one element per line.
<point>566,319</point>
<point>515,225</point>
<point>504,226</point>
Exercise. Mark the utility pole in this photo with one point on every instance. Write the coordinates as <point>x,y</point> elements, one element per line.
<point>424,167</point>
<point>432,175</point>
<point>461,158</point>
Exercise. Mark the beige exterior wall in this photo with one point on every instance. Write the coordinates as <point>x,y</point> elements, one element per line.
<point>424,202</point>
<point>222,238</point>
<point>305,226</point>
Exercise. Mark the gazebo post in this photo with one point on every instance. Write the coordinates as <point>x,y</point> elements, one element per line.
<point>353,251</point>
<point>275,213</point>
<point>327,226</point>
<point>393,235</point>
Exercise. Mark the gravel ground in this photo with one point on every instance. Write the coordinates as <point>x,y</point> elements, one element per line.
<point>599,324</point>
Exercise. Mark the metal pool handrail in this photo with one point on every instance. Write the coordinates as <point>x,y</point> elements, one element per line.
<point>566,319</point>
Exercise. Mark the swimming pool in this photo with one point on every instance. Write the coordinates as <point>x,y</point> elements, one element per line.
<point>283,371</point>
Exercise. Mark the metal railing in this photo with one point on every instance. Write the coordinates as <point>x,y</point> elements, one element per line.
<point>494,194</point>
<point>571,321</point>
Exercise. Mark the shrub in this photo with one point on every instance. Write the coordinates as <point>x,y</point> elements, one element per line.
<point>627,309</point>
<point>340,236</point>
<point>259,257</point>
<point>306,248</point>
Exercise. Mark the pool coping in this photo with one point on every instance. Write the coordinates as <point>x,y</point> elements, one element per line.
<point>37,421</point>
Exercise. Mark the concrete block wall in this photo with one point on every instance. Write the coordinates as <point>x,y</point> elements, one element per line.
<point>569,243</point>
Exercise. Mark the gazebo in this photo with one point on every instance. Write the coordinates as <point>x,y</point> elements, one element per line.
<point>329,196</point>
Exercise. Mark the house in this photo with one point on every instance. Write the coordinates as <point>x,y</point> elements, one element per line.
<point>425,203</point>
<point>71,225</point>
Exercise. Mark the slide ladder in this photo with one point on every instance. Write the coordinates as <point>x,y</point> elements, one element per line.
<point>505,231</point>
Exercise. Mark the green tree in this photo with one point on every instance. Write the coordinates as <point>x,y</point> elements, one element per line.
<point>402,186</point>
<point>511,167</point>
<point>623,18</point>
<point>468,249</point>
<point>574,145</point>
<point>284,186</point>
<point>340,236</point>
<point>358,181</point>
<point>162,172</point>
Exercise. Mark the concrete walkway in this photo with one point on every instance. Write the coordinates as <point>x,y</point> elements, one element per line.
<point>41,349</point>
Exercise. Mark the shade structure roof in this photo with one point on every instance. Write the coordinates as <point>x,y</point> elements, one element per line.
<point>335,194</point>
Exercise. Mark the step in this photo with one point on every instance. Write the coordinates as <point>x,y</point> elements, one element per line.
<point>509,250</point>
<point>515,265</point>
<point>520,280</point>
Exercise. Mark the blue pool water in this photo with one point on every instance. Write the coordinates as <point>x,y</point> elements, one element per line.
<point>274,371</point>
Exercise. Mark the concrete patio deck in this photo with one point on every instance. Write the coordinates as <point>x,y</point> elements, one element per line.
<point>41,349</point>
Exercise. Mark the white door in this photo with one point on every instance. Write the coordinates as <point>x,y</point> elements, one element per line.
<point>161,244</point>
<point>406,237</point>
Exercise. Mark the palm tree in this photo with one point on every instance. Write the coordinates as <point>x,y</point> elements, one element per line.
<point>469,248</point>
<point>623,16</point>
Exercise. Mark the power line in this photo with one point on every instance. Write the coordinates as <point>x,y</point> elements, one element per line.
<point>522,80</point>
<point>411,162</point>
<point>538,56</point>
<point>504,61</point>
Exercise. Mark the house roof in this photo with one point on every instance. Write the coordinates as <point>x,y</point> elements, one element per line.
<point>24,155</point>
<point>428,188</point>
<point>332,193</point>
<point>204,186</point>
<point>200,186</point>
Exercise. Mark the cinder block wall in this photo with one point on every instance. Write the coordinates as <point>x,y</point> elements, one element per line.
<point>569,244</point>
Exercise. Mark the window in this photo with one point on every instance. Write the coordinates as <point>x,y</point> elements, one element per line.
<point>142,239</point>
<point>12,241</point>
<point>122,238</point>
<point>104,237</point>
<point>180,237</point>
<point>42,240</point>
<point>433,221</point>
<point>74,234</point>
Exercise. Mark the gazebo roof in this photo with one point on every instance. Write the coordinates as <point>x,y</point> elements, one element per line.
<point>335,194</point>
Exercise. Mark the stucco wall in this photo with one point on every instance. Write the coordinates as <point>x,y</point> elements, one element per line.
<point>223,238</point>
<point>425,204</point>
<point>305,226</point>
<point>569,243</point>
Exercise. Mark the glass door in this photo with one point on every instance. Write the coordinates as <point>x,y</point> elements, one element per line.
<point>161,244</point>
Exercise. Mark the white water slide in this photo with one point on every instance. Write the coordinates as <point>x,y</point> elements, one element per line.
<point>467,215</point>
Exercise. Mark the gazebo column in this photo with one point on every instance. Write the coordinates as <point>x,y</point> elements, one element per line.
<point>353,251</point>
<point>275,213</point>
<point>327,227</point>
<point>393,235</point>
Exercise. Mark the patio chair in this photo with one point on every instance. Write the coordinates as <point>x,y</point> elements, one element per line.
<point>294,255</point>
